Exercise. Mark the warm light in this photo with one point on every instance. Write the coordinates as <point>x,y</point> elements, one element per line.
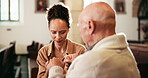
<point>87,2</point>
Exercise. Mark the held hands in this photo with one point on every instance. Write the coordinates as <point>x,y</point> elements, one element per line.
<point>62,63</point>
<point>70,57</point>
<point>54,62</point>
<point>68,60</point>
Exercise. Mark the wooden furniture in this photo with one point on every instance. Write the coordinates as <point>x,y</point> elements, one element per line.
<point>140,52</point>
<point>32,55</point>
<point>7,61</point>
<point>32,68</point>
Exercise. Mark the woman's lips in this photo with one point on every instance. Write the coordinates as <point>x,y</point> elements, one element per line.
<point>59,41</point>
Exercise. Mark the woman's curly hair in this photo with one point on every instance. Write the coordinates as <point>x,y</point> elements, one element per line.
<point>58,11</point>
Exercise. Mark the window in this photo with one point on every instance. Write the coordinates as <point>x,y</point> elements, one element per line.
<point>143,21</point>
<point>9,10</point>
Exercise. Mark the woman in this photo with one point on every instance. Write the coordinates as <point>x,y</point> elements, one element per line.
<point>58,20</point>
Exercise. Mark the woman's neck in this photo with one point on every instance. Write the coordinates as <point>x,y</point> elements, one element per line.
<point>61,48</point>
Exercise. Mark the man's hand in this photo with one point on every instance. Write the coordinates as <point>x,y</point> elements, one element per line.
<point>70,57</point>
<point>68,60</point>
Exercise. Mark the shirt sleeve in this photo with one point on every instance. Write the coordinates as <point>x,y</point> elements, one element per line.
<point>82,50</point>
<point>56,72</point>
<point>76,70</point>
<point>41,63</point>
<point>79,69</point>
<point>79,49</point>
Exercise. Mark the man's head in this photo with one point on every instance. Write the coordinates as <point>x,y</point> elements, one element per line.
<point>96,22</point>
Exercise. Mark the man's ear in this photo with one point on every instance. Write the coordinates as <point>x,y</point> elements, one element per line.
<point>91,26</point>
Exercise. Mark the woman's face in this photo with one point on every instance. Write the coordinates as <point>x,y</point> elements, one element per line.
<point>58,30</point>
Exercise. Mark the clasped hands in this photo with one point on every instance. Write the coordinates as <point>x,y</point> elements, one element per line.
<point>64,63</point>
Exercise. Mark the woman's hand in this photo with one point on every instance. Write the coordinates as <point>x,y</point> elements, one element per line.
<point>54,62</point>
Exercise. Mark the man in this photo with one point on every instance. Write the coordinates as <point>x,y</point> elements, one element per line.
<point>108,54</point>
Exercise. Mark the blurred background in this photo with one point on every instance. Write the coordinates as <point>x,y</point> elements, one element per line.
<point>23,24</point>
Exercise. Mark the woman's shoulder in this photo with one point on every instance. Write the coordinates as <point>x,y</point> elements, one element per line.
<point>75,44</point>
<point>44,52</point>
<point>45,48</point>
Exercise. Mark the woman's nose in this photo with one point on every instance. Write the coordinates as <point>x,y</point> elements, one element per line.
<point>58,36</point>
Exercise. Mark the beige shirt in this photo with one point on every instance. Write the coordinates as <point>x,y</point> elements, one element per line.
<point>111,57</point>
<point>47,52</point>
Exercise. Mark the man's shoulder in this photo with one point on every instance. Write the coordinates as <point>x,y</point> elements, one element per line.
<point>93,57</point>
<point>87,58</point>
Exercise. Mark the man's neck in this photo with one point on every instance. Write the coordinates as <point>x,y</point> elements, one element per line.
<point>94,40</point>
<point>90,48</point>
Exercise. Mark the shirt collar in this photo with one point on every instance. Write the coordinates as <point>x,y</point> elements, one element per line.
<point>68,49</point>
<point>50,48</point>
<point>91,47</point>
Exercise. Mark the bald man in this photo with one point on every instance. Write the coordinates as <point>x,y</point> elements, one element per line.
<point>108,55</point>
